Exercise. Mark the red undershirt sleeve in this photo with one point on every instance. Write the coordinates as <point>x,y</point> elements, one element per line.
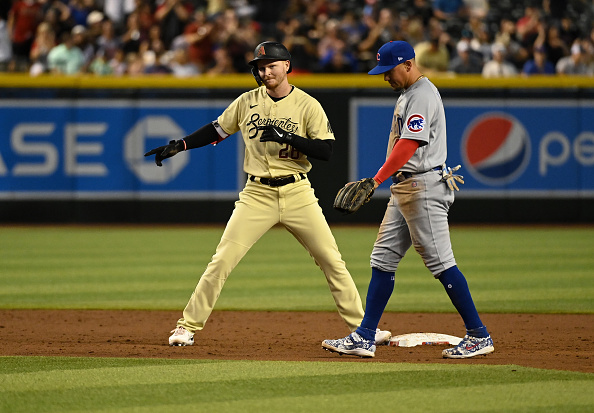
<point>402,152</point>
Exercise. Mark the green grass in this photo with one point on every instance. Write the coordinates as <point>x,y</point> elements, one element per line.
<point>533,270</point>
<point>509,269</point>
<point>54,384</point>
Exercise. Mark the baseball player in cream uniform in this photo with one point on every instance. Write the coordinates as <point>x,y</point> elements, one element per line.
<point>417,213</point>
<point>281,126</point>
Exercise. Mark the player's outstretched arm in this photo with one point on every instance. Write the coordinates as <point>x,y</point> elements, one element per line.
<point>167,151</point>
<point>202,137</point>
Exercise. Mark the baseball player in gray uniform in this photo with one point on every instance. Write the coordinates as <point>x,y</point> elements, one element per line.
<point>417,213</point>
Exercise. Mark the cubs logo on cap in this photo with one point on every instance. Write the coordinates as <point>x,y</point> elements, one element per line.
<point>391,55</point>
<point>496,148</point>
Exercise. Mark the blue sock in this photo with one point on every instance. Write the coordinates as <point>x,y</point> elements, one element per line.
<point>380,289</point>
<point>457,288</point>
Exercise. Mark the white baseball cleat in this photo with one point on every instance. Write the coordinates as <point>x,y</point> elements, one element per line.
<point>382,337</point>
<point>181,337</point>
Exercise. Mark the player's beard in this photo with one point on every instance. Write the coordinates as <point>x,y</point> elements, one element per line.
<point>274,82</point>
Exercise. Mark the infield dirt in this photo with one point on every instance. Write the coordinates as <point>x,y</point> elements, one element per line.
<point>549,341</point>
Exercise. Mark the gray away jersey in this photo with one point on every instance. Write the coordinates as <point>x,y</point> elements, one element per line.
<point>419,115</point>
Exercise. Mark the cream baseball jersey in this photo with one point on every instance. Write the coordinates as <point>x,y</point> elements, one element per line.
<point>298,113</point>
<point>419,115</point>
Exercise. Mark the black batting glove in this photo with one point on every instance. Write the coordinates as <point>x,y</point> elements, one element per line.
<point>275,134</point>
<point>166,151</point>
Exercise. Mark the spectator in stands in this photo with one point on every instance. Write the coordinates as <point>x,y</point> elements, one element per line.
<point>80,10</point>
<point>154,42</point>
<point>100,65</point>
<point>333,54</point>
<point>575,63</point>
<point>465,62</point>
<point>223,63</point>
<point>498,66</point>
<point>588,47</point>
<point>446,10</point>
<point>135,64</point>
<point>538,65</point>
<point>173,16</point>
<point>556,48</point>
<point>304,58</point>
<point>568,30</point>
<point>94,26</point>
<point>66,58</point>
<point>156,62</point>
<point>133,37</point>
<point>118,63</point>
<point>45,41</point>
<point>422,9</point>
<point>378,32</point>
<point>528,25</point>
<point>433,55</point>
<point>117,10</point>
<point>181,66</point>
<point>107,43</point>
<point>58,17</point>
<point>481,41</point>
<point>23,19</point>
<point>5,46</point>
<point>477,8</point>
<point>339,61</point>
<point>198,38</point>
<point>303,25</point>
<point>237,37</point>
<point>81,41</point>
<point>516,53</point>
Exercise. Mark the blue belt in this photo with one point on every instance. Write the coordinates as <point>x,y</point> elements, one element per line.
<point>407,175</point>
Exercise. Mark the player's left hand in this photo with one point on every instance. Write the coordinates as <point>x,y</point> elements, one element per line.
<point>275,134</point>
<point>166,151</point>
<point>447,176</point>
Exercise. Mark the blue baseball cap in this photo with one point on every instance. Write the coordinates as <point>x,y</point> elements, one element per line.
<point>391,55</point>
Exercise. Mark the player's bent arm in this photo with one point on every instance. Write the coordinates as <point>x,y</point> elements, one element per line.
<point>314,148</point>
<point>401,153</point>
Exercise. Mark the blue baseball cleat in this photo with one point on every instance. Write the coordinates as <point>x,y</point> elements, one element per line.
<point>353,345</point>
<point>470,347</point>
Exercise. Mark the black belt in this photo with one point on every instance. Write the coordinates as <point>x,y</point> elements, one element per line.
<point>282,181</point>
<point>407,175</point>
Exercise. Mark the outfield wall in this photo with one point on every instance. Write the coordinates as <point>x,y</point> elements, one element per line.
<point>71,147</point>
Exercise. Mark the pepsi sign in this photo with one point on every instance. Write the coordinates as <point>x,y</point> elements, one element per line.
<point>511,147</point>
<point>496,148</point>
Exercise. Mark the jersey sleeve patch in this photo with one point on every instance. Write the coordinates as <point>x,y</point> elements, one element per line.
<point>415,123</point>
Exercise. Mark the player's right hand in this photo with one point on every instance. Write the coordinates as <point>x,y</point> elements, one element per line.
<point>166,151</point>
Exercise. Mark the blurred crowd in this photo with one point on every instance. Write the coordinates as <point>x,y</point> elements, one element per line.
<point>203,37</point>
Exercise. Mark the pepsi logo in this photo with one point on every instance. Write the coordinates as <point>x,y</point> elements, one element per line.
<point>415,123</point>
<point>495,148</point>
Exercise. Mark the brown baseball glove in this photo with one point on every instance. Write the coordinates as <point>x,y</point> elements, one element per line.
<point>353,195</point>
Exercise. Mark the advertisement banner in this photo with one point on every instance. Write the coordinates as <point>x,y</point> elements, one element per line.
<point>507,147</point>
<point>94,149</point>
